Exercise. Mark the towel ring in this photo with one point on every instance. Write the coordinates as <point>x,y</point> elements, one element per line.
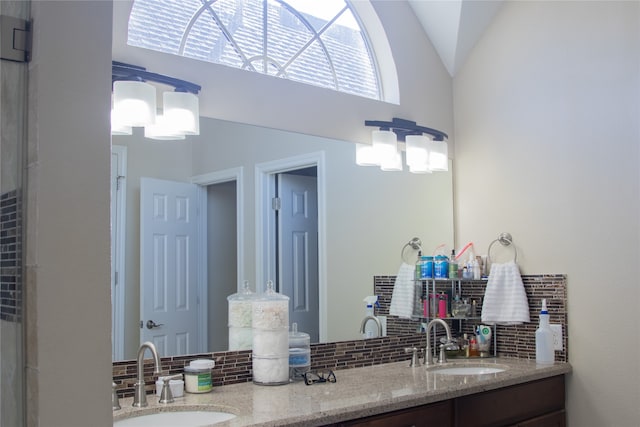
<point>505,239</point>
<point>415,244</point>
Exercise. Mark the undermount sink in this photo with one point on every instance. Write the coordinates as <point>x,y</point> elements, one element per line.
<point>467,370</point>
<point>176,418</point>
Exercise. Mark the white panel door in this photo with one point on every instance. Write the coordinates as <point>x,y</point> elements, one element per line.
<point>168,271</point>
<point>298,250</point>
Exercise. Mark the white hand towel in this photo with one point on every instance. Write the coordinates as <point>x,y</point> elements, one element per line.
<point>505,301</point>
<point>403,299</point>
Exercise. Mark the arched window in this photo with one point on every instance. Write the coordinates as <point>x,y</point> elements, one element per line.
<point>317,42</point>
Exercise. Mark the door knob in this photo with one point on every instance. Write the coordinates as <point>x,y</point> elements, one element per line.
<point>151,324</point>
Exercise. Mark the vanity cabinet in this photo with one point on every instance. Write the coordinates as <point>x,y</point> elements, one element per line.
<point>537,403</point>
<point>437,414</point>
<point>532,404</point>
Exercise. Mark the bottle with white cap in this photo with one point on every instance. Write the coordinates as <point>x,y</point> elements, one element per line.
<point>544,338</point>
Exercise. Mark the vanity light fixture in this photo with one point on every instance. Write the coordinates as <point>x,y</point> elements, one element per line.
<point>134,104</point>
<point>426,149</point>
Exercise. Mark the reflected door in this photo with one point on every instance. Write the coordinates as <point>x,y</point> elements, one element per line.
<point>298,250</point>
<point>168,272</point>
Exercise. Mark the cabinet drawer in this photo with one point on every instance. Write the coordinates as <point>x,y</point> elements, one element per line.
<point>511,405</point>
<point>554,419</point>
<point>435,414</point>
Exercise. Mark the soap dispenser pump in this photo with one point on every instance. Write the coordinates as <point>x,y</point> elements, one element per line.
<point>544,338</point>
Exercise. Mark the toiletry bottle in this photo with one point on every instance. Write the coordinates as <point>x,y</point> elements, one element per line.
<point>442,306</point>
<point>427,267</point>
<point>467,270</point>
<point>474,351</point>
<point>465,345</point>
<point>440,267</point>
<point>477,271</point>
<point>419,262</point>
<point>370,330</point>
<point>453,265</point>
<point>456,306</point>
<point>544,338</point>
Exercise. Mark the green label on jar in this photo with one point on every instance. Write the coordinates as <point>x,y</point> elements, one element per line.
<point>204,382</point>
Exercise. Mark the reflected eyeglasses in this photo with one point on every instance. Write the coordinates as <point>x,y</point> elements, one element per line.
<point>319,377</point>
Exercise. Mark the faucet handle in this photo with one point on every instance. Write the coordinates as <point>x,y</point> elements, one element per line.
<point>166,396</point>
<point>442,357</point>
<point>115,400</point>
<point>415,359</point>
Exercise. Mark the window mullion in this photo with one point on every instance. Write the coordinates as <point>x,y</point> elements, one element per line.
<point>265,35</point>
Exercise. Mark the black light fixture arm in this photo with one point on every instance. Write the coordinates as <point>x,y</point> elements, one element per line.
<point>402,128</point>
<point>123,71</point>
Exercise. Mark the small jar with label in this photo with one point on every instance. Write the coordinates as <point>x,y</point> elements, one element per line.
<point>441,267</point>
<point>197,376</point>
<point>299,353</point>
<point>426,271</point>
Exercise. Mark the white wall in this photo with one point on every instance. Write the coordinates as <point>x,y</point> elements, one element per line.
<point>547,136</point>
<point>67,249</point>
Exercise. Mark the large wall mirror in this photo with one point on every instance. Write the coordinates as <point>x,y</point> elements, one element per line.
<point>364,217</point>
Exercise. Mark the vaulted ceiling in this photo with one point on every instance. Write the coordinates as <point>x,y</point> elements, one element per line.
<point>455,26</point>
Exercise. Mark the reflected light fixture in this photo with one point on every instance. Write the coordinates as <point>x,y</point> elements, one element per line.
<point>134,104</point>
<point>162,131</point>
<point>426,149</point>
<point>365,156</point>
<point>417,152</point>
<point>385,148</point>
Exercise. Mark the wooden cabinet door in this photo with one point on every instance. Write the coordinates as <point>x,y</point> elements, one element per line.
<point>511,405</point>
<point>433,415</point>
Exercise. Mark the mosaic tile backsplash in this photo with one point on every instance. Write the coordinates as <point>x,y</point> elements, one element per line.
<point>512,341</point>
<point>10,257</point>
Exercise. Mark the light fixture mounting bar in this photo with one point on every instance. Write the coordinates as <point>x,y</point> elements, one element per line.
<point>403,127</point>
<point>123,71</point>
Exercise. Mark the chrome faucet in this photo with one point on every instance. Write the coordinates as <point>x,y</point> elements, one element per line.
<point>375,319</point>
<point>140,396</point>
<point>428,356</point>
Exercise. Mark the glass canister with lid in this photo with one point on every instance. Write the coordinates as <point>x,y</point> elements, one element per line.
<point>270,344</point>
<point>299,353</point>
<point>240,313</point>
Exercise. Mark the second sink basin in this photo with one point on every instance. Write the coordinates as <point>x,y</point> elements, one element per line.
<point>467,370</point>
<point>177,418</point>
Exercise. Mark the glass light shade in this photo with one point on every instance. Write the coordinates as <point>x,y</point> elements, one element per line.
<point>419,169</point>
<point>134,103</point>
<point>394,163</point>
<point>385,147</point>
<point>417,152</point>
<point>438,156</point>
<point>365,155</point>
<point>181,110</point>
<point>119,128</point>
<point>162,130</point>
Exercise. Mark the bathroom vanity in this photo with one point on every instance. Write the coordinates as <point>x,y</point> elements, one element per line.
<point>537,403</point>
<point>509,392</point>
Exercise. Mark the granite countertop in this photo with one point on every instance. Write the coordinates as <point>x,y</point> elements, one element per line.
<point>358,392</point>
